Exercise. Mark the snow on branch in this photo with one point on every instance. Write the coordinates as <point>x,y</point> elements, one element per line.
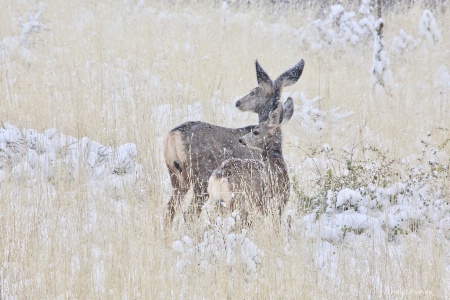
<point>381,73</point>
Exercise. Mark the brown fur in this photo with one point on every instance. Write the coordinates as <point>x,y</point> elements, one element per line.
<point>250,186</point>
<point>254,186</point>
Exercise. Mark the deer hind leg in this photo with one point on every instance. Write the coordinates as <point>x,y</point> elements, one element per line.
<point>180,187</point>
<point>174,155</point>
<point>200,197</point>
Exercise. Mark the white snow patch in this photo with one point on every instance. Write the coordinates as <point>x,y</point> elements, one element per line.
<point>33,157</point>
<point>219,245</point>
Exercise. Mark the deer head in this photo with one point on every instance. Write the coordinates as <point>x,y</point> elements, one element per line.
<point>266,137</point>
<point>261,99</point>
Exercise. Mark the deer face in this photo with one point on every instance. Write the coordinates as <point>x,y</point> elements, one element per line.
<point>255,100</point>
<point>260,97</point>
<point>263,135</point>
<point>258,137</point>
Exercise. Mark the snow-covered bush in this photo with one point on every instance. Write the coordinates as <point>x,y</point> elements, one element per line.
<point>339,30</point>
<point>29,156</point>
<point>403,43</point>
<point>428,28</point>
<point>219,245</point>
<point>30,26</point>
<point>313,119</point>
<point>367,7</point>
<point>361,189</point>
<point>381,73</point>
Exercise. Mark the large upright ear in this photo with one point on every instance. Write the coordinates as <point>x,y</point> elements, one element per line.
<point>264,80</point>
<point>276,115</point>
<point>292,75</point>
<point>288,110</point>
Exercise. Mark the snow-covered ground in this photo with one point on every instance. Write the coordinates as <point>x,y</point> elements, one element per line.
<point>29,157</point>
<point>369,214</point>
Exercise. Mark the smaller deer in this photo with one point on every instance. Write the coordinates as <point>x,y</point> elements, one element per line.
<point>254,186</point>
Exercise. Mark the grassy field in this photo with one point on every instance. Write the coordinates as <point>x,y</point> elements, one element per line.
<point>128,71</point>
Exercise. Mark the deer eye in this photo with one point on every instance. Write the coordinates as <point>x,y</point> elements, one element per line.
<point>252,93</point>
<point>255,132</point>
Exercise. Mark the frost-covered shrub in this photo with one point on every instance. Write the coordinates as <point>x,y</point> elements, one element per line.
<point>381,73</point>
<point>338,31</point>
<point>428,31</point>
<point>362,191</point>
<point>219,245</point>
<point>313,119</point>
<point>403,43</point>
<point>30,26</point>
<point>428,27</point>
<point>367,7</point>
<point>29,156</point>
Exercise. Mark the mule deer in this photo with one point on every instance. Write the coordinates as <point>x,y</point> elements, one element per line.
<point>254,185</point>
<point>194,149</point>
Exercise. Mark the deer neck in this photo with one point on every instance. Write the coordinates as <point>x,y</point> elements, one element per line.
<point>273,149</point>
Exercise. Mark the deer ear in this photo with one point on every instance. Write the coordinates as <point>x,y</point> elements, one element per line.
<point>276,115</point>
<point>292,75</point>
<point>288,110</point>
<point>264,80</point>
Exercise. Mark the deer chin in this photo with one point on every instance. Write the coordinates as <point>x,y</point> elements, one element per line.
<point>245,109</point>
<point>254,148</point>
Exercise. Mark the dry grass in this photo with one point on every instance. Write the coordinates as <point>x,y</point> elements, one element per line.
<point>119,72</point>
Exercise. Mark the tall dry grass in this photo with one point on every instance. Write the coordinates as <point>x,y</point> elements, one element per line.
<point>128,71</point>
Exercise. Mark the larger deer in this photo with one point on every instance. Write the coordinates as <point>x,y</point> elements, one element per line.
<point>194,149</point>
<point>254,186</point>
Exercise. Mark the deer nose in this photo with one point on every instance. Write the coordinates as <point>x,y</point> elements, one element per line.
<point>238,103</point>
<point>242,141</point>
